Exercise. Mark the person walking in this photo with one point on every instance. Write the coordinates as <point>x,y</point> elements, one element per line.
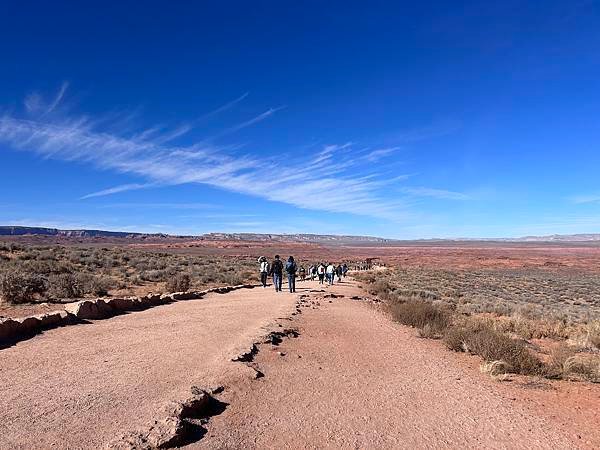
<point>291,269</point>
<point>264,271</point>
<point>321,273</point>
<point>313,272</point>
<point>302,272</point>
<point>277,272</point>
<point>344,270</point>
<point>330,273</point>
<point>338,272</point>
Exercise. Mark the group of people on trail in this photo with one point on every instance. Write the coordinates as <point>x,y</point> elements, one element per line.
<point>328,272</point>
<point>276,268</point>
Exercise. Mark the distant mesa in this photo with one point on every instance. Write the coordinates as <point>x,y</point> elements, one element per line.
<point>39,231</point>
<point>258,237</point>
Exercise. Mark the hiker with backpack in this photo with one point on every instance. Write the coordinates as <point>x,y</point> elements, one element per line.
<point>339,272</point>
<point>291,268</point>
<point>277,273</point>
<point>264,271</point>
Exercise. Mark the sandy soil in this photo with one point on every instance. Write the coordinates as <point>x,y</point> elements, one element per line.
<point>28,309</point>
<point>80,386</point>
<point>354,379</point>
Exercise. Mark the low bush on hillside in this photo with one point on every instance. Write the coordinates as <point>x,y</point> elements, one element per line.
<point>178,283</point>
<point>431,319</point>
<point>20,287</point>
<point>497,331</point>
<point>52,272</point>
<point>492,345</point>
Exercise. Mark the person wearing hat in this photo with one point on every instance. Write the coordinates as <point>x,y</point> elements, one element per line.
<point>264,270</point>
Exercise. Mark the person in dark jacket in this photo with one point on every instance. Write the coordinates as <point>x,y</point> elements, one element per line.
<point>277,272</point>
<point>291,269</point>
<point>339,271</point>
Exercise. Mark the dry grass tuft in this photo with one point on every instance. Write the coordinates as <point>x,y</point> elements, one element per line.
<point>583,365</point>
<point>495,368</point>
<point>430,319</point>
<point>491,345</point>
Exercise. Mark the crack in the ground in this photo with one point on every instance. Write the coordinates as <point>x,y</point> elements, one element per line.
<point>181,423</point>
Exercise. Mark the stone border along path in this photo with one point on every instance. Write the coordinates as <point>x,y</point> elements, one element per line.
<point>132,393</point>
<point>182,423</point>
<point>15,330</point>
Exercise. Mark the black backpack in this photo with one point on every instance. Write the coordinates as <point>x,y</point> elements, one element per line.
<point>291,267</point>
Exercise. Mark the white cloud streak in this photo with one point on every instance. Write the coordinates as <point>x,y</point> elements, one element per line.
<point>435,193</point>
<point>117,189</point>
<point>378,154</point>
<point>35,104</point>
<point>331,182</point>
<point>583,199</point>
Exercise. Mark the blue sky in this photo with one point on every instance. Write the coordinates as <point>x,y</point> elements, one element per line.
<point>397,119</point>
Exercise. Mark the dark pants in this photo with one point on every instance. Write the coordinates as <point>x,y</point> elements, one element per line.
<point>263,278</point>
<point>292,282</point>
<point>277,281</point>
<point>321,277</point>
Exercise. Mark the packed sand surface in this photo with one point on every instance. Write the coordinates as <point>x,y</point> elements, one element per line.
<point>80,386</point>
<point>352,379</point>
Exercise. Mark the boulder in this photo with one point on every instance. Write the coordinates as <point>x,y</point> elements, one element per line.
<point>85,309</point>
<point>186,295</point>
<point>30,324</point>
<point>154,299</point>
<point>9,328</point>
<point>167,298</point>
<point>105,307</point>
<point>122,304</point>
<point>51,319</point>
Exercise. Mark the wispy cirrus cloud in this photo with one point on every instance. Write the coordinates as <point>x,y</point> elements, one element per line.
<point>376,155</point>
<point>118,189</point>
<point>587,198</point>
<point>35,103</point>
<point>332,181</point>
<point>435,193</point>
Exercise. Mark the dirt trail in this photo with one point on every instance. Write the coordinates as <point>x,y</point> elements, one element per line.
<point>80,386</point>
<point>354,379</point>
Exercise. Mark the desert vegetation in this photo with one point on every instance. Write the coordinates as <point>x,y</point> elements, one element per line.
<point>57,273</point>
<point>528,322</point>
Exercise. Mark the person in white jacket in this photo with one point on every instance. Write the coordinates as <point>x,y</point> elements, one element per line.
<point>264,271</point>
<point>330,273</point>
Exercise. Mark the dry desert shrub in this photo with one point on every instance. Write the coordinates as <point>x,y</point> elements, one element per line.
<point>566,362</point>
<point>17,286</point>
<point>178,283</point>
<point>491,345</point>
<point>65,285</point>
<point>583,365</point>
<point>588,336</point>
<point>71,272</point>
<point>431,319</point>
